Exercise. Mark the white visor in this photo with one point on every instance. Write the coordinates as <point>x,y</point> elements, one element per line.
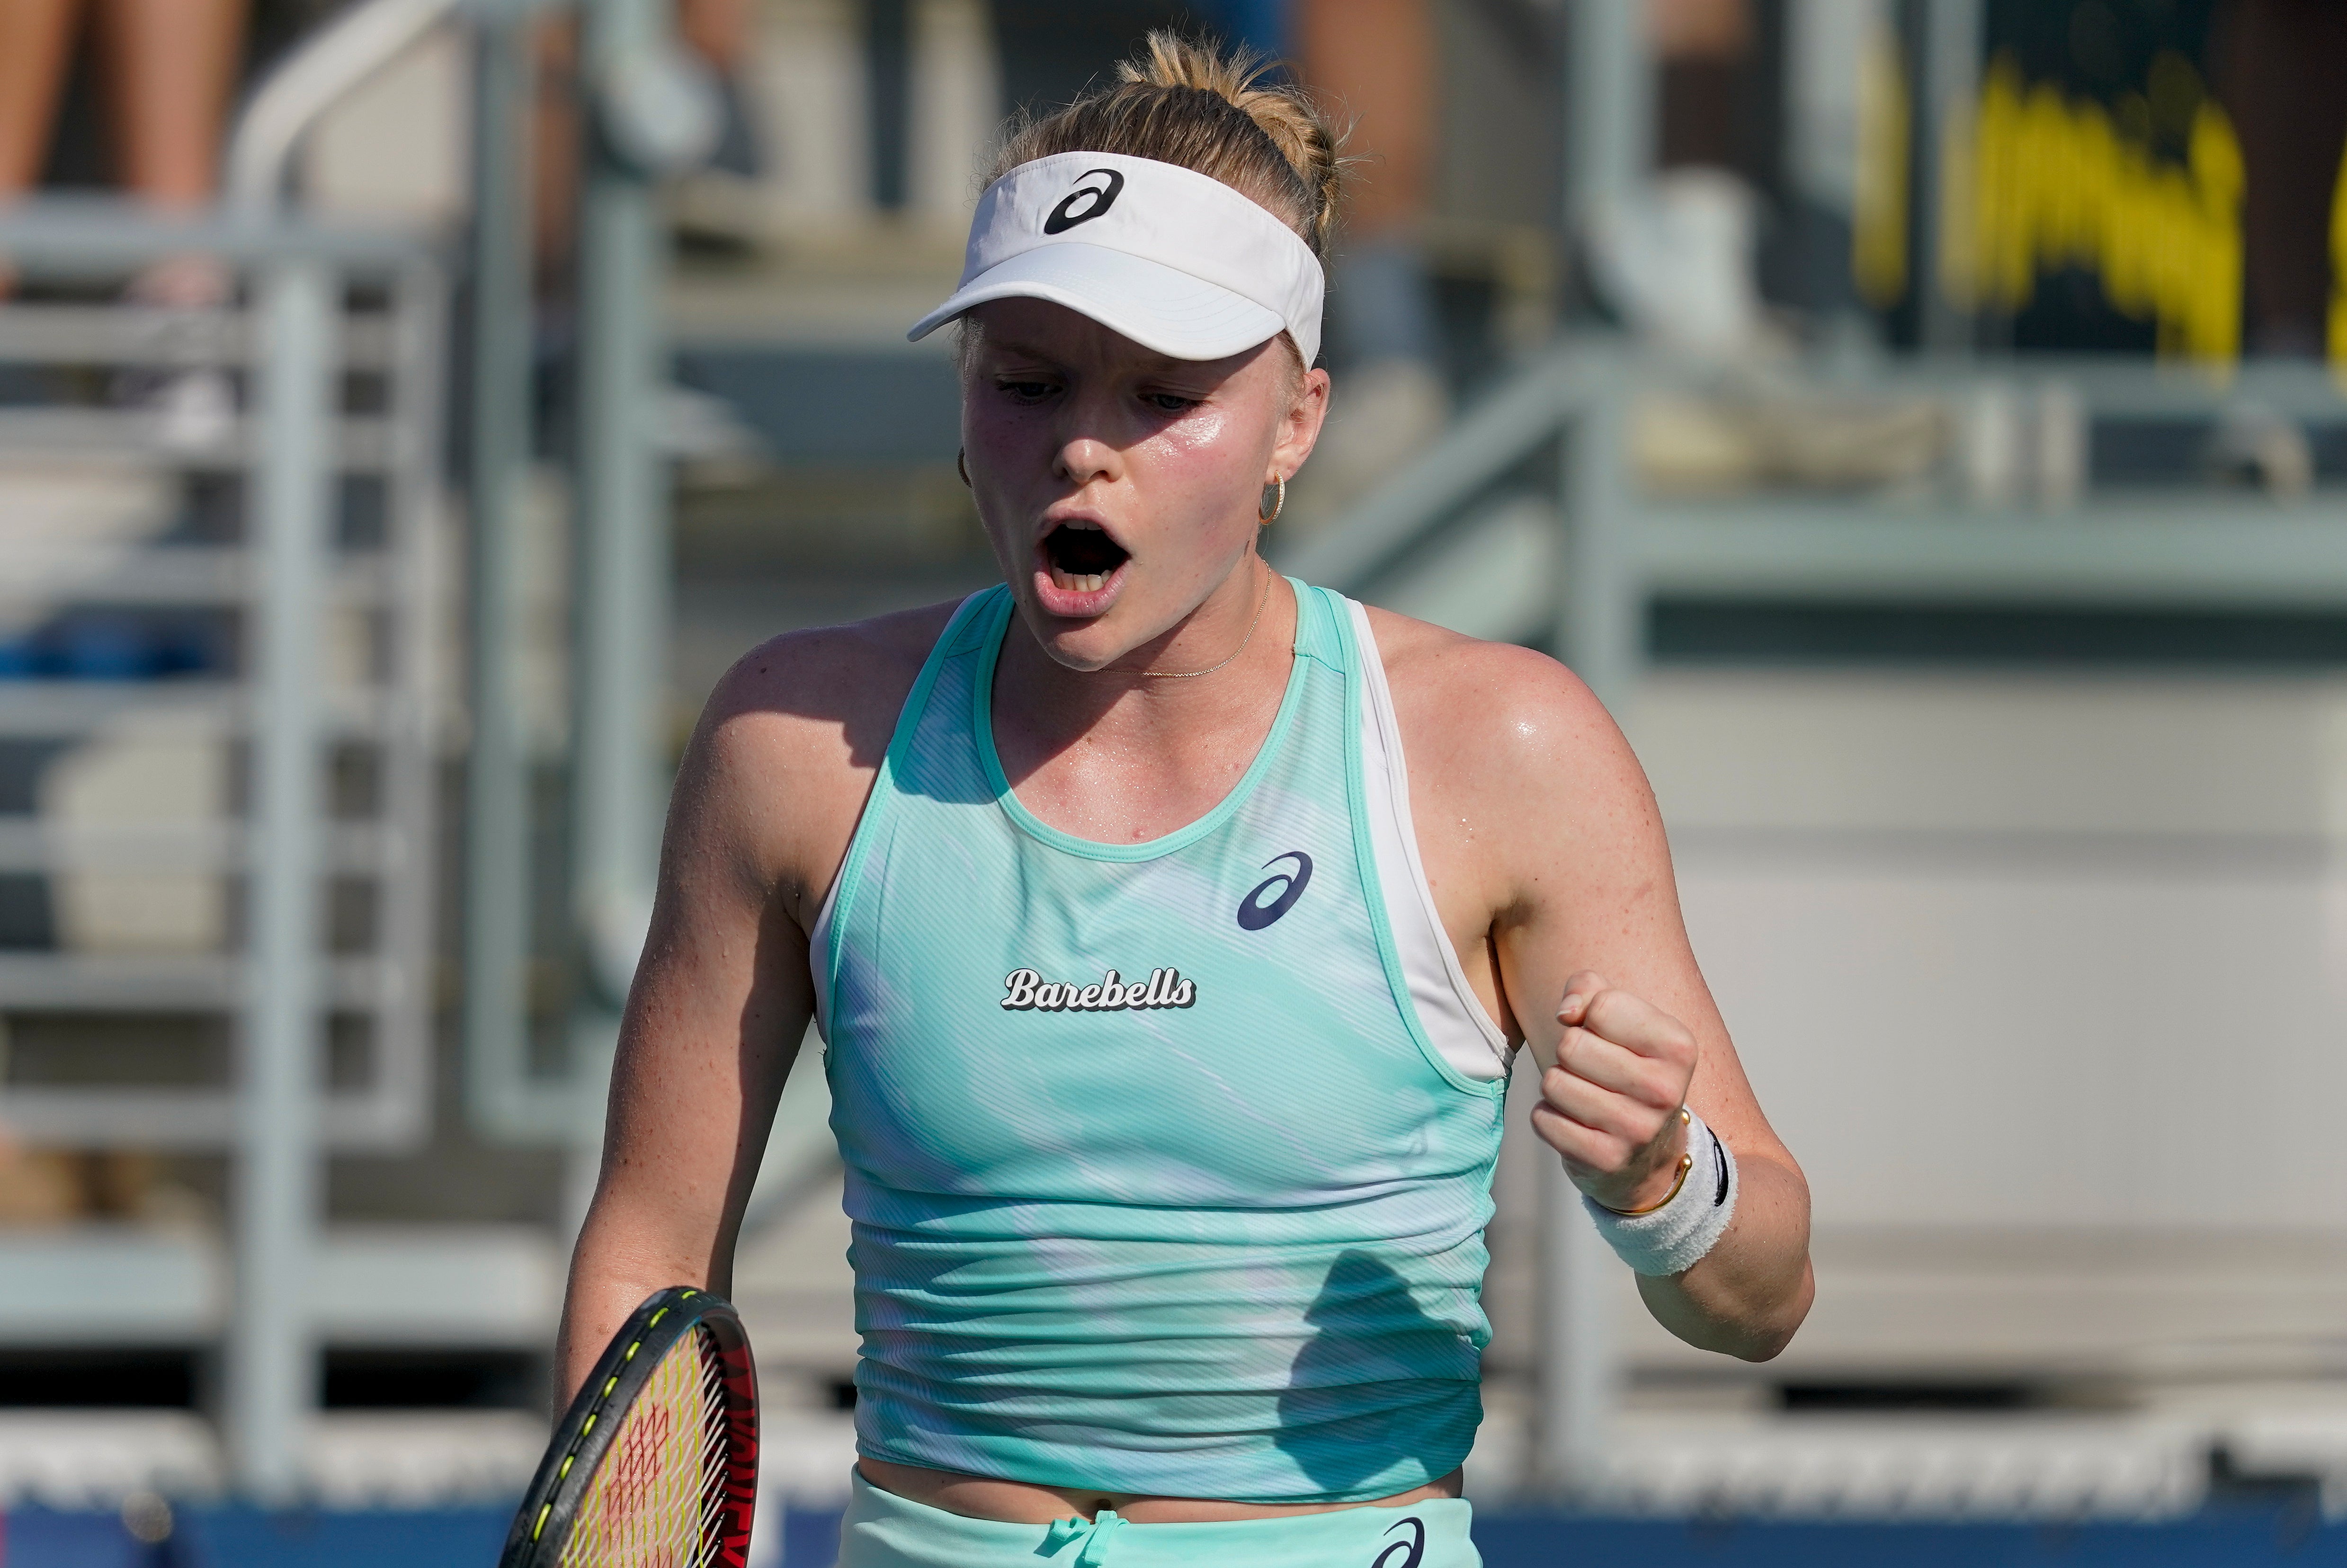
<point>1173,259</point>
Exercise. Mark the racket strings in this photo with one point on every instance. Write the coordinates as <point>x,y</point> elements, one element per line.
<point>647,1503</point>
<point>715,1435</point>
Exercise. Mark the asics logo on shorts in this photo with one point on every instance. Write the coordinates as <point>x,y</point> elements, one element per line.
<point>1255,911</point>
<point>1411,1551</point>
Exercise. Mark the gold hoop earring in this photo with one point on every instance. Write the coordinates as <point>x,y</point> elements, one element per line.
<point>1276,492</point>
<point>962,466</point>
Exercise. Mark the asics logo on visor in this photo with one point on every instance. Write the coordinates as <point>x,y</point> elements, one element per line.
<point>1065,217</point>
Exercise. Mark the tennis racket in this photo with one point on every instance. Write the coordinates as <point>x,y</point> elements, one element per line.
<point>655,1464</point>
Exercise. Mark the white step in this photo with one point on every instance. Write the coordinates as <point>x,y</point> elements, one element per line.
<point>471,1286</point>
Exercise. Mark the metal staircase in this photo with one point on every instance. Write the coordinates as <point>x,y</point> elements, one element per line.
<point>143,834</point>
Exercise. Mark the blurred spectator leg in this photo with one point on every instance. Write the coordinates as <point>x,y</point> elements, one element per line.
<point>2279,75</point>
<point>718,206</point>
<point>1677,260</point>
<point>692,424</point>
<point>1373,61</point>
<point>172,64</point>
<point>33,37</point>
<point>1702,45</point>
<point>718,30</point>
<point>554,167</point>
<point>170,68</point>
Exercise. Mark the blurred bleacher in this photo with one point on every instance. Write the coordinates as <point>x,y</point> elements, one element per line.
<point>1994,704</point>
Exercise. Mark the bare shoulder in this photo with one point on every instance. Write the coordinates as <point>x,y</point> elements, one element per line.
<point>1494,716</point>
<point>827,679</point>
<point>1521,784</point>
<point>790,740</point>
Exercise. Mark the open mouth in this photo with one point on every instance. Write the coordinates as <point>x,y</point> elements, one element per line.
<point>1082,558</point>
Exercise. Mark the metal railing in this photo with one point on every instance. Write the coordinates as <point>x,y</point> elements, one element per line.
<point>654,116</point>
<point>298,344</point>
<point>282,577</point>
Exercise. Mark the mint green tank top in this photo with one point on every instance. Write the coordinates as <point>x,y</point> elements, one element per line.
<point>1157,1183</point>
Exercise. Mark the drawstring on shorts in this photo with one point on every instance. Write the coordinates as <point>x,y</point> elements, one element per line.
<point>1095,1534</point>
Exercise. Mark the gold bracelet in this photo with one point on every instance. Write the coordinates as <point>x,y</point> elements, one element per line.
<point>1687,1163</point>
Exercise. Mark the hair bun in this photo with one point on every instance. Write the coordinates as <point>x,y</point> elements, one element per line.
<point>1284,113</point>
<point>1278,149</point>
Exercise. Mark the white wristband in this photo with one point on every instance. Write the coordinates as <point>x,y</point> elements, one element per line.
<point>1674,1238</point>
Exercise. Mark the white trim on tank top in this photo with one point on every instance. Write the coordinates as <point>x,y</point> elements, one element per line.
<point>819,950</point>
<point>1452,1015</point>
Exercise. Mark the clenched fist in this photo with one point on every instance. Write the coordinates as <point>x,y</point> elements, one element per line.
<point>1610,1097</point>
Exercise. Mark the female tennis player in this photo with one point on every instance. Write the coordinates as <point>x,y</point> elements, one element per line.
<point>1170,926</point>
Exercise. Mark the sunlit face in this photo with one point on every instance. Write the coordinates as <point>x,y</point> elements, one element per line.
<point>1118,486</point>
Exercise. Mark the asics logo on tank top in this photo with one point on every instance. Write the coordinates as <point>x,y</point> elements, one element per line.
<point>1065,217</point>
<point>1257,911</point>
<point>1024,990</point>
<point>1404,1553</point>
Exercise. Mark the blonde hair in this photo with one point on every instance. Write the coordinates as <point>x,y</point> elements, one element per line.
<point>1206,109</point>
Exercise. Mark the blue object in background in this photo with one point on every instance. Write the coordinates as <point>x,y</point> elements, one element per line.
<point>36,1538</point>
<point>234,1537</point>
<point>107,648</point>
<point>1260,24</point>
<point>810,1536</point>
<point>249,1538</point>
<point>2218,1539</point>
<point>118,645</point>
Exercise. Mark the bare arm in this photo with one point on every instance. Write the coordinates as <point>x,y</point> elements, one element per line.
<point>1593,961</point>
<point>764,804</point>
<point>721,1000</point>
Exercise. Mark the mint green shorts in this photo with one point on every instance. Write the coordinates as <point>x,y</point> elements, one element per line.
<point>885,1531</point>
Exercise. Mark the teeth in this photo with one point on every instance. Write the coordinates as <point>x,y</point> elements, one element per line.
<point>1085,582</point>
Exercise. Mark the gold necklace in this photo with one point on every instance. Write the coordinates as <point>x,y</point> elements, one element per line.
<point>1262,600</point>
